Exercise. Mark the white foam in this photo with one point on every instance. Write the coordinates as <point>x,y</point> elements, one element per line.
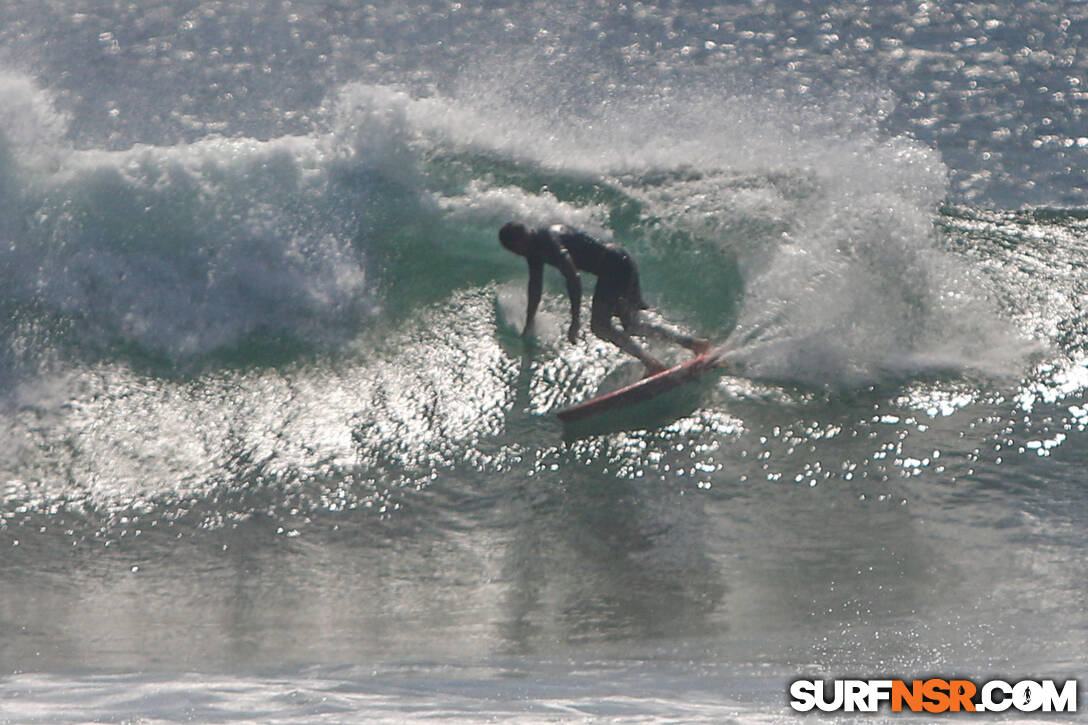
<point>31,129</point>
<point>829,219</point>
<point>489,206</point>
<point>187,248</point>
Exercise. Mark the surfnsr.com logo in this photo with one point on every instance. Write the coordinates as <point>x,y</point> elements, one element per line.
<point>933,695</point>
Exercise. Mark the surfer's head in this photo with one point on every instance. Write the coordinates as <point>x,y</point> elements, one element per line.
<point>515,237</point>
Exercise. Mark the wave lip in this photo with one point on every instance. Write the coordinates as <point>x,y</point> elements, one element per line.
<point>180,250</point>
<point>187,249</point>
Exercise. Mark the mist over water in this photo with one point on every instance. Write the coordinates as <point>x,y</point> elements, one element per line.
<point>269,433</point>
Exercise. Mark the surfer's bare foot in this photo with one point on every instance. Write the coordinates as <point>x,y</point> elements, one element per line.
<point>654,367</point>
<point>700,347</point>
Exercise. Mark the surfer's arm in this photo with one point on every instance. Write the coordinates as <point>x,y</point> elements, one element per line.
<point>536,288</point>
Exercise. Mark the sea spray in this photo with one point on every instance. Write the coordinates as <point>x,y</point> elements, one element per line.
<point>182,250</point>
<point>791,201</point>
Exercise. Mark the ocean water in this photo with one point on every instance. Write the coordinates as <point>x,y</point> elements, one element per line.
<point>272,449</point>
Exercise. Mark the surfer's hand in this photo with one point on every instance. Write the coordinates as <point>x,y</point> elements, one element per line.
<point>572,333</point>
<point>528,331</point>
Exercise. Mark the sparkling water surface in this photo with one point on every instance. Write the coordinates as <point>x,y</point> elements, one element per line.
<point>272,449</point>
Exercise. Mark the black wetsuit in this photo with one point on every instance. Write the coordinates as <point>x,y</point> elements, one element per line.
<point>617,293</point>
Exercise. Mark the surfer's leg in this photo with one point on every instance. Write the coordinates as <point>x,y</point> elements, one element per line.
<point>635,322</point>
<point>600,323</point>
<point>630,306</point>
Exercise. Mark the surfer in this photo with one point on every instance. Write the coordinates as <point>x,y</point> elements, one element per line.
<point>617,294</point>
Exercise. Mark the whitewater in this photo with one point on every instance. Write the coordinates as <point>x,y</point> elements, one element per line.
<point>273,449</point>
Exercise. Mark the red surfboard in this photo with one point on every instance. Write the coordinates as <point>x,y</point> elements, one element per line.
<point>644,389</point>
